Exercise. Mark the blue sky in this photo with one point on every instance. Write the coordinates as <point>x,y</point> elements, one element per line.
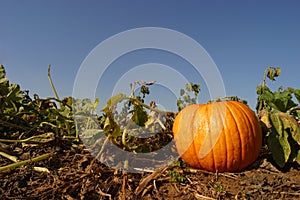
<point>242,37</point>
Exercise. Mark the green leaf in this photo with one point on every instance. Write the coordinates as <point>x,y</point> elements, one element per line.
<point>280,100</point>
<point>182,92</point>
<point>145,90</point>
<point>114,100</point>
<point>268,98</point>
<point>262,89</point>
<point>180,104</point>
<point>111,127</point>
<point>284,137</point>
<point>196,89</point>
<point>14,93</point>
<point>2,72</point>
<point>265,118</point>
<point>270,75</point>
<point>96,103</point>
<point>283,100</point>
<point>140,116</point>
<point>276,144</point>
<point>116,132</point>
<point>278,139</point>
<point>267,95</point>
<point>187,99</point>
<point>273,72</point>
<point>67,101</point>
<point>4,81</point>
<point>291,125</point>
<point>277,71</point>
<point>189,87</point>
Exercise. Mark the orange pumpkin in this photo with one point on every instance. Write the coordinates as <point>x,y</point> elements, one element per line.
<point>218,136</point>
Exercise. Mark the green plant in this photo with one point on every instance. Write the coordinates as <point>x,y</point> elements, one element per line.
<point>280,115</point>
<point>31,120</point>
<point>178,163</point>
<point>218,187</point>
<point>185,98</point>
<point>122,127</point>
<point>175,176</point>
<point>23,116</point>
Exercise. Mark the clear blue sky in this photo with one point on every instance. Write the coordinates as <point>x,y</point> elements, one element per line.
<point>242,37</point>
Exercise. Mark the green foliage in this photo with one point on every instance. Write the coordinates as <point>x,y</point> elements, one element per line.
<point>273,72</point>
<point>40,120</point>
<point>176,177</point>
<point>122,126</point>
<point>283,137</point>
<point>280,116</point>
<point>22,116</point>
<point>218,187</point>
<point>27,119</point>
<point>10,94</point>
<point>139,115</point>
<point>179,163</point>
<point>113,101</point>
<point>185,98</point>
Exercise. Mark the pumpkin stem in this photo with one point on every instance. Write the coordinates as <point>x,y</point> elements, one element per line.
<point>229,98</point>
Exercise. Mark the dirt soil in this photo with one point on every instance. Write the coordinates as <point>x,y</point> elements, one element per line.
<point>75,174</point>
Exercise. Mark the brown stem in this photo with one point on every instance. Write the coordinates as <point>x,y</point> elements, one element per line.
<point>52,86</point>
<point>149,107</point>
